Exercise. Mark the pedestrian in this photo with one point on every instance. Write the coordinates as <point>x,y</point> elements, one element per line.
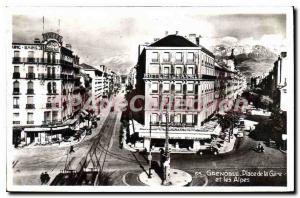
<point>42,178</point>
<point>71,149</point>
<point>47,177</point>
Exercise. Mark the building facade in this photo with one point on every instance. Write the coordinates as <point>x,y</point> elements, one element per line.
<point>182,85</point>
<point>45,74</point>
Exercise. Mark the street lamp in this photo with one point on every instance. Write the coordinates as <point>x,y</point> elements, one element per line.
<point>150,156</point>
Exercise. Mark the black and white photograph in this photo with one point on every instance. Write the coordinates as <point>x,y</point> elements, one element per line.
<point>150,99</point>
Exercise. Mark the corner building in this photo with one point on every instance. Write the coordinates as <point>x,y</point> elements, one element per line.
<point>45,79</point>
<point>177,76</point>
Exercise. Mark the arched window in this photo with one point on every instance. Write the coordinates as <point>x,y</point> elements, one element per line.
<point>16,87</point>
<point>30,87</point>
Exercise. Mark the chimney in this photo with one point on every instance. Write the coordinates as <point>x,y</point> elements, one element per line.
<point>36,41</point>
<point>176,33</point>
<point>198,40</point>
<point>156,39</point>
<point>166,33</point>
<point>192,38</point>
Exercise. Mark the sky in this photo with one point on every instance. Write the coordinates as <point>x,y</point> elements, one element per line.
<point>110,36</point>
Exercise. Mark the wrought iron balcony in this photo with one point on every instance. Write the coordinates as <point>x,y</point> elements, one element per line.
<point>16,106</point>
<point>30,60</point>
<point>16,75</point>
<point>30,91</point>
<point>30,106</point>
<point>171,76</point>
<point>30,75</point>
<point>16,122</point>
<point>30,122</point>
<point>16,59</point>
<point>16,91</point>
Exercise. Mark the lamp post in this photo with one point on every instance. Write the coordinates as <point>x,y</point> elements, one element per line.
<point>166,164</point>
<point>150,155</point>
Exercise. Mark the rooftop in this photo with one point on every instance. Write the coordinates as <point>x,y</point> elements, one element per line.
<point>175,40</point>
<point>87,67</point>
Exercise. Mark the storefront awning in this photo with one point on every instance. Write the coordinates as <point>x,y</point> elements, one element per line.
<point>45,129</point>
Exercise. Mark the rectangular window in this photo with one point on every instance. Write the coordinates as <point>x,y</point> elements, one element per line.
<point>178,56</point>
<point>154,117</point>
<point>16,116</point>
<point>154,102</point>
<point>189,118</point>
<point>166,87</point>
<point>154,56</point>
<point>178,103</point>
<point>178,70</point>
<point>30,69</point>
<point>190,70</point>
<point>16,101</point>
<point>29,117</point>
<point>164,118</point>
<point>177,118</point>
<point>154,87</point>
<point>30,54</point>
<point>190,57</point>
<point>190,87</point>
<point>16,69</point>
<point>166,70</point>
<point>178,88</point>
<point>166,57</point>
<point>29,99</point>
<point>47,117</point>
<point>16,54</point>
<point>54,115</point>
<point>154,69</point>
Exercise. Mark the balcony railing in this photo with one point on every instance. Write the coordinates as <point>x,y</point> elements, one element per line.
<point>30,60</point>
<point>16,60</point>
<point>16,75</point>
<point>30,122</point>
<point>172,76</point>
<point>30,75</point>
<point>16,91</point>
<point>30,106</point>
<point>52,105</point>
<point>16,122</point>
<point>16,106</point>
<point>30,91</point>
<point>53,122</point>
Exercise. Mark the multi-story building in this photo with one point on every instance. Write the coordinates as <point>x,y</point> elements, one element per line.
<point>44,77</point>
<point>282,76</point>
<point>176,74</point>
<point>184,86</point>
<point>97,82</point>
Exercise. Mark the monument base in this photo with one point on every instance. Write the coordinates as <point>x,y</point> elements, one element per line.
<point>177,178</point>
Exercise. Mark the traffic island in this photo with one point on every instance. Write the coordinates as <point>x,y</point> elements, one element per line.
<point>177,178</point>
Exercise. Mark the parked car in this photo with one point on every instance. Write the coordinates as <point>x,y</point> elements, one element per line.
<point>210,151</point>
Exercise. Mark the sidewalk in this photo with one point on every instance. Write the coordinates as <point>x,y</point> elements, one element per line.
<point>228,146</point>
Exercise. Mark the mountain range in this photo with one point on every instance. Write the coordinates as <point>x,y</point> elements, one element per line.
<point>250,60</point>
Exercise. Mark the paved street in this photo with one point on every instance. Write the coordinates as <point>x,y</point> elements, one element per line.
<point>124,166</point>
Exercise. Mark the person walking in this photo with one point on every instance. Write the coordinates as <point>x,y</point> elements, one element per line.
<point>71,149</point>
<point>42,178</point>
<point>47,177</point>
